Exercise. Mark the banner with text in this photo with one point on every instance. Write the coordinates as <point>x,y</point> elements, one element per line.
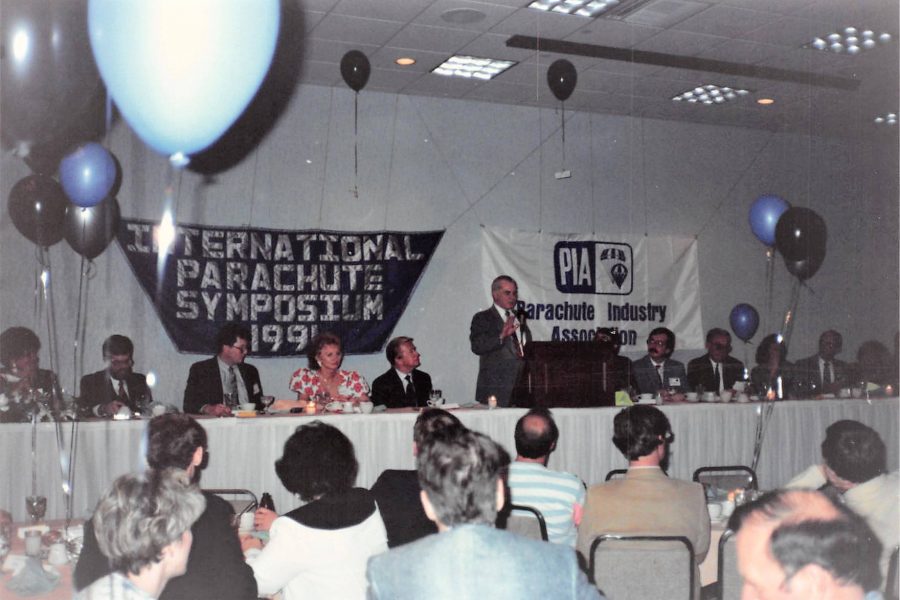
<point>569,285</point>
<point>285,286</point>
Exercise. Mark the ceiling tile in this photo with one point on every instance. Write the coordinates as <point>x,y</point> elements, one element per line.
<point>493,45</point>
<point>319,5</point>
<point>744,52</point>
<point>320,73</point>
<point>388,10</point>
<point>724,20</point>
<point>391,80</point>
<point>782,7</point>
<point>679,42</point>
<point>608,32</point>
<point>438,85</point>
<point>355,29</point>
<point>786,31</point>
<point>603,81</point>
<point>332,50</point>
<point>506,93</point>
<point>384,57</point>
<point>493,14</point>
<point>437,39</point>
<point>528,21</point>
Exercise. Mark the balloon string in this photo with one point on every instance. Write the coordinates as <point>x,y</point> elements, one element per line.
<point>787,326</point>
<point>75,344</point>
<point>563,115</point>
<point>355,145</point>
<point>770,281</point>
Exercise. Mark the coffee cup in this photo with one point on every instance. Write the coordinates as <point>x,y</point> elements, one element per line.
<point>727,507</point>
<point>714,509</point>
<point>743,398</point>
<point>435,402</point>
<point>844,393</point>
<point>739,386</point>
<point>366,407</point>
<point>691,397</point>
<point>245,525</point>
<point>246,407</point>
<point>347,407</point>
<point>709,396</point>
<point>57,555</point>
<point>725,395</point>
<point>32,542</point>
<point>647,399</point>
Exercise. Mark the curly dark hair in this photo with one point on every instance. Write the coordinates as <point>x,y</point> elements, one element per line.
<point>854,451</point>
<point>326,338</point>
<point>16,342</point>
<point>639,429</point>
<point>318,459</point>
<point>229,334</point>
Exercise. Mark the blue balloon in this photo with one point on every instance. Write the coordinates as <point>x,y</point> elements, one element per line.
<point>182,71</point>
<point>87,174</point>
<point>764,215</point>
<point>744,321</point>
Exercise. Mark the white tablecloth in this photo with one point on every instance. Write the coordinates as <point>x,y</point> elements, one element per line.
<point>243,451</point>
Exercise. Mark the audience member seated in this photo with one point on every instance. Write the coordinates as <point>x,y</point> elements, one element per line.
<point>716,370</point>
<point>215,569</point>
<point>614,371</point>
<point>142,526</point>
<point>772,371</point>
<point>319,551</point>
<point>801,545</point>
<point>104,393</point>
<point>324,377</point>
<point>397,491</point>
<point>874,366</point>
<point>462,489</point>
<point>220,383</point>
<point>656,372</point>
<point>558,495</point>
<point>854,464</point>
<point>403,384</point>
<point>823,372</point>
<point>646,500</point>
<point>21,375</point>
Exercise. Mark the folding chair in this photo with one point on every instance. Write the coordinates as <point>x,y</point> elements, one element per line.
<point>616,474</point>
<point>720,480</point>
<point>241,501</point>
<point>527,521</point>
<point>643,567</point>
<point>892,585</point>
<point>730,581</point>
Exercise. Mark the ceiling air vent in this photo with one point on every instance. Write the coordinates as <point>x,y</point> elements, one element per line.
<point>654,13</point>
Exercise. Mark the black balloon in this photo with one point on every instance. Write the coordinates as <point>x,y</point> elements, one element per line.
<point>804,269</point>
<point>37,207</point>
<point>48,72</point>
<point>801,234</point>
<point>355,69</point>
<point>90,230</point>
<point>562,77</point>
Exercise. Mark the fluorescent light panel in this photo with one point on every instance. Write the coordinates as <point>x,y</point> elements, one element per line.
<point>710,94</point>
<point>849,41</point>
<point>582,8</point>
<point>472,67</point>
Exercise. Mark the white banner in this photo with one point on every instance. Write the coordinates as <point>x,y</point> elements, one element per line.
<point>569,285</point>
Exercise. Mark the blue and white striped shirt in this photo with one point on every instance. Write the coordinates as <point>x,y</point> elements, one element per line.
<point>557,494</point>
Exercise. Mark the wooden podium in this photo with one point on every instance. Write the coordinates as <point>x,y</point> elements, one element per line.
<point>565,374</point>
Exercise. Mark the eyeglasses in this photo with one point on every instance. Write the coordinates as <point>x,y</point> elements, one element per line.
<point>121,362</point>
<point>656,342</point>
<point>721,346</point>
<point>241,349</point>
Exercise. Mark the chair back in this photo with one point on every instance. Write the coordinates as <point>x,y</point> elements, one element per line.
<point>892,585</point>
<point>241,500</point>
<point>730,581</point>
<point>720,480</point>
<point>527,521</point>
<point>643,567</point>
<point>616,474</point>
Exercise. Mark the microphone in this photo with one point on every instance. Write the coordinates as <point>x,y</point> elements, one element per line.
<point>521,316</point>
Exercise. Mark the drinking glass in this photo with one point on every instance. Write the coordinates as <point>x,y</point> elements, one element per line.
<point>36,507</point>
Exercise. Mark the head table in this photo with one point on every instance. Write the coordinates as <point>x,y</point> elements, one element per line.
<point>243,451</point>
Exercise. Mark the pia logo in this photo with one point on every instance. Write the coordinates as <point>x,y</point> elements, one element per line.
<point>593,268</point>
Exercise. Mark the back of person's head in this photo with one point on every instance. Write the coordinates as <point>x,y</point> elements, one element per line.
<point>536,433</point>
<point>432,421</point>
<point>229,334</point>
<point>855,452</point>
<point>318,459</point>
<point>639,429</point>
<point>117,345</point>
<point>142,514</point>
<point>16,342</point>
<point>172,440</point>
<point>808,528</point>
<point>459,470</point>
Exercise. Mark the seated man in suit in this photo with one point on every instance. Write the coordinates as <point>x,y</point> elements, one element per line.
<point>215,568</point>
<point>646,500</point>
<point>716,370</point>
<point>219,383</point>
<point>823,373</point>
<point>802,545</point>
<point>656,372</point>
<point>397,491</point>
<point>403,384</point>
<point>462,489</point>
<point>105,392</point>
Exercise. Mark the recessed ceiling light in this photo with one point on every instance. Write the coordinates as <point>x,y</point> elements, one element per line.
<point>462,16</point>
<point>888,119</point>
<point>472,67</point>
<point>765,101</point>
<point>849,40</point>
<point>405,61</point>
<point>710,94</point>
<point>582,8</point>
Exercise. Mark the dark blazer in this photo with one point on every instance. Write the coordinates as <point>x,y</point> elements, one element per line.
<point>397,495</point>
<point>808,378</point>
<point>204,385</point>
<point>499,366</point>
<point>97,390</point>
<point>215,570</point>
<point>390,390</point>
<point>700,372</point>
<point>646,380</point>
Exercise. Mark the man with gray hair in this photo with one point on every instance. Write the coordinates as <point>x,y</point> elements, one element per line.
<point>462,490</point>
<point>143,526</point>
<point>403,384</point>
<point>799,545</point>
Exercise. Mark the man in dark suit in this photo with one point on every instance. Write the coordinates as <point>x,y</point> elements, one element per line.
<point>498,338</point>
<point>823,373</point>
<point>716,370</point>
<point>217,384</point>
<point>215,569</point>
<point>105,392</point>
<point>656,372</point>
<point>403,384</point>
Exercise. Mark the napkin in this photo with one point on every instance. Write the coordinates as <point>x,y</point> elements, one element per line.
<point>623,399</point>
<point>32,579</point>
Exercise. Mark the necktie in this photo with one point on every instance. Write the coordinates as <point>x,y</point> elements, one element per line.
<point>231,386</point>
<point>410,390</point>
<point>827,373</point>
<point>659,375</point>
<point>718,378</point>
<point>515,336</point>
<point>123,395</point>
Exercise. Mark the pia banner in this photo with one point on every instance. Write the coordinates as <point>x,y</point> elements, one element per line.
<point>285,286</point>
<point>569,285</point>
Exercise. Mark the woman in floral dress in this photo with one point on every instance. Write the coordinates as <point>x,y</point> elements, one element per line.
<point>324,378</point>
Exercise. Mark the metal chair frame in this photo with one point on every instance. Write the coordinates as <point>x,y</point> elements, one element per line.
<point>542,524</point>
<point>754,482</point>
<point>720,571</point>
<point>615,474</point>
<point>644,538</point>
<point>252,506</point>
